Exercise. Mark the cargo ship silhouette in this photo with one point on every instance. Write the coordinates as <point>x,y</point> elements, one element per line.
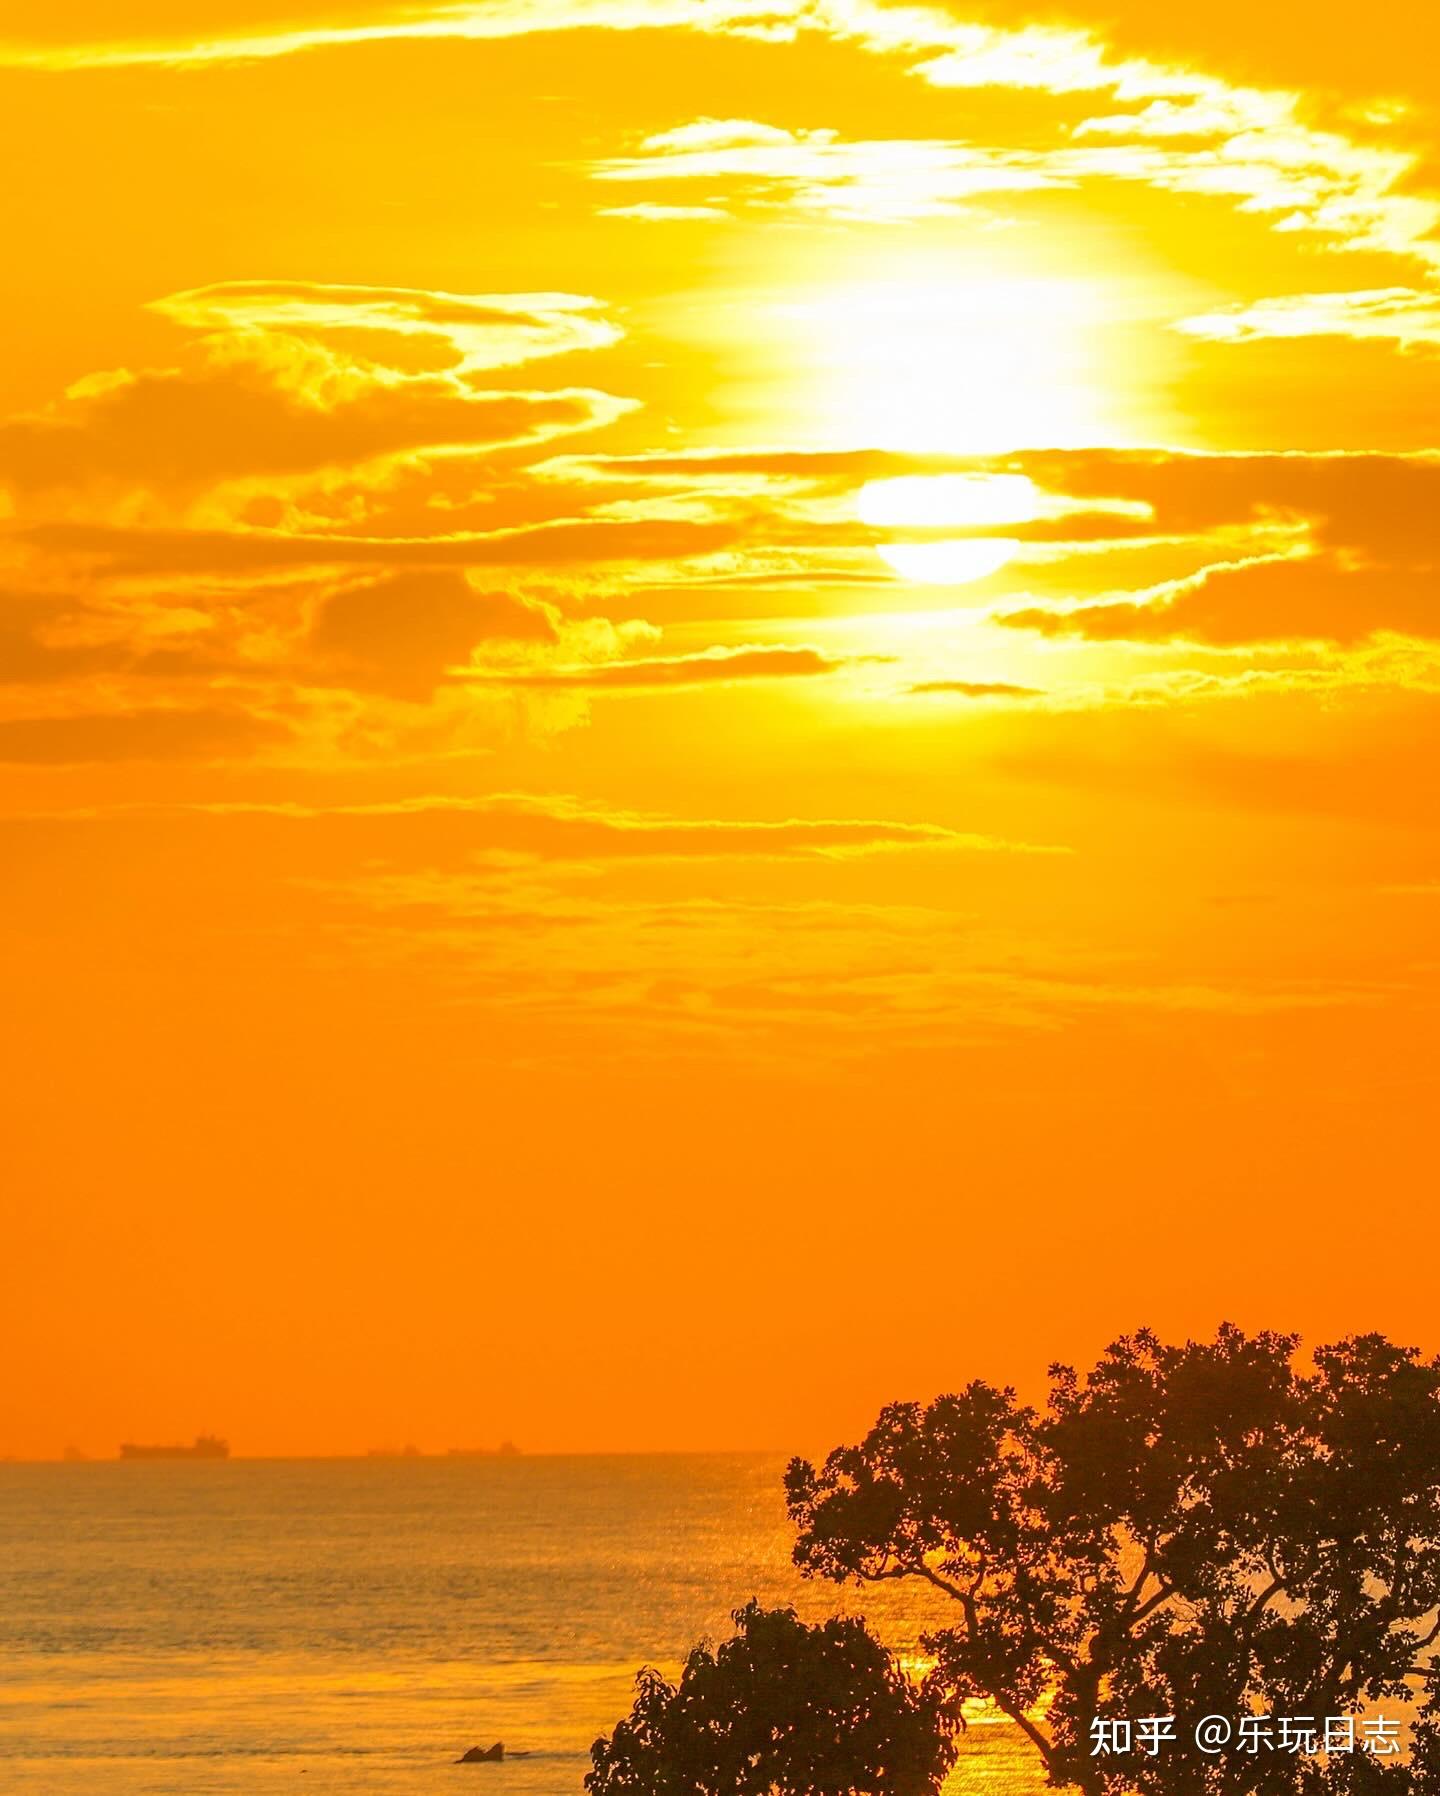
<point>206,1446</point>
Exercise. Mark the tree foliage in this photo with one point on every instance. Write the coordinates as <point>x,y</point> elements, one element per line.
<point>783,1707</point>
<point>1193,1530</point>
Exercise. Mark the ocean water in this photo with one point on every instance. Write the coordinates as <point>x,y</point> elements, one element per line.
<point>177,1629</point>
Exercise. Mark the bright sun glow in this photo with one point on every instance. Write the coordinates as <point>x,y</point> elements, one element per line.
<point>943,356</point>
<point>955,502</point>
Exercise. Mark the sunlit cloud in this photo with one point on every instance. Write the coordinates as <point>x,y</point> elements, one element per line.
<point>650,213</point>
<point>1002,689</point>
<point>1309,598</point>
<point>183,428</point>
<point>1407,316</point>
<point>1249,148</point>
<point>891,180</point>
<point>1258,150</point>
<point>498,330</point>
<point>394,23</point>
<point>296,377</point>
<point>718,666</point>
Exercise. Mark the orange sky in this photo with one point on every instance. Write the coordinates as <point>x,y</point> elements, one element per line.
<point>709,709</point>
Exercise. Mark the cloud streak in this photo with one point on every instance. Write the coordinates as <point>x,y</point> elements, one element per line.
<point>486,330</point>
<point>712,667</point>
<point>973,689</point>
<point>1240,145</point>
<point>1176,128</point>
<point>1310,598</point>
<point>1407,316</point>
<point>452,832</point>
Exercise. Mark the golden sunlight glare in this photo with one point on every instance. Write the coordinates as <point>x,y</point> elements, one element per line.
<point>936,356</point>
<point>949,501</point>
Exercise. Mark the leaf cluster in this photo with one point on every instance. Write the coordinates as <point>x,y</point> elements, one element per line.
<point>1201,1529</point>
<point>782,1707</point>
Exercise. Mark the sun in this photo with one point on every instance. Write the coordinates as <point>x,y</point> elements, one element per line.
<point>939,502</point>
<point>942,353</point>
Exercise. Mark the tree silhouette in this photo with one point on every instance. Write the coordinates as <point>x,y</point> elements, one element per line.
<point>1187,1531</point>
<point>782,1707</point>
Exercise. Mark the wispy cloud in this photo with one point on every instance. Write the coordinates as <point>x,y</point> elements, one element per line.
<point>1178,127</point>
<point>973,689</point>
<point>1286,598</point>
<point>1245,146</point>
<point>712,667</point>
<point>440,831</point>
<point>1409,316</point>
<point>486,330</point>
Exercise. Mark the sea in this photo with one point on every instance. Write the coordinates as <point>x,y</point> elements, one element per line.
<point>244,1627</point>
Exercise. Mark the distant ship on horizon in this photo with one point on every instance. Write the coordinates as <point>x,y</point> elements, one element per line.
<point>205,1446</point>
